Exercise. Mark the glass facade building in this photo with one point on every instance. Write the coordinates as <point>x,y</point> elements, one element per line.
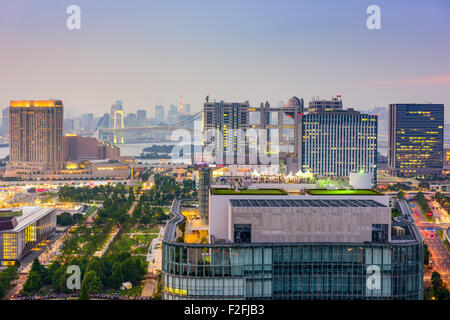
<point>336,271</point>
<point>336,143</point>
<point>244,270</point>
<point>416,140</point>
<point>28,230</point>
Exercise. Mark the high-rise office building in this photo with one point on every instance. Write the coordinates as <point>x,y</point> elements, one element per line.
<point>87,122</point>
<point>225,126</point>
<point>286,120</point>
<point>5,121</point>
<point>337,142</point>
<point>36,133</point>
<point>187,109</point>
<point>416,140</point>
<point>141,117</point>
<point>160,114</point>
<point>68,126</point>
<point>325,105</point>
<point>130,120</point>
<point>172,115</point>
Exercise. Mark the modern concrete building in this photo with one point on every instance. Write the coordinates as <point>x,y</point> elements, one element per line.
<point>286,121</point>
<point>266,244</point>
<point>325,105</point>
<point>22,230</point>
<point>225,126</point>
<point>326,141</point>
<point>416,140</point>
<point>36,134</point>
<point>87,148</point>
<point>337,142</point>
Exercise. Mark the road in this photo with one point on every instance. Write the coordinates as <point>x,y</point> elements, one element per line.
<point>439,254</point>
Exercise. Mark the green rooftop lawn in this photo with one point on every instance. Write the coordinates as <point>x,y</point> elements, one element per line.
<point>9,214</point>
<point>275,192</point>
<point>324,192</point>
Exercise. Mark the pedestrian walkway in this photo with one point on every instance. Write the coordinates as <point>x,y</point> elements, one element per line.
<point>154,252</point>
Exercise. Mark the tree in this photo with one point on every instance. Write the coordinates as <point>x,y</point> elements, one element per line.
<point>436,280</point>
<point>426,255</point>
<point>91,283</point>
<point>84,294</point>
<point>401,195</point>
<point>33,283</point>
<point>116,276</point>
<point>94,265</point>
<point>442,293</point>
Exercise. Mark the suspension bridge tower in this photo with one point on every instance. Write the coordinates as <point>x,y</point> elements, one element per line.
<point>118,134</point>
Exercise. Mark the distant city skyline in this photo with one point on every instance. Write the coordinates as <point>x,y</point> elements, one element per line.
<point>146,52</point>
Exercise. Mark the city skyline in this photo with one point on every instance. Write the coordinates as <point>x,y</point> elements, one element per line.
<point>146,53</point>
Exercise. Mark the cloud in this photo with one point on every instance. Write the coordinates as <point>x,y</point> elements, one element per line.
<point>435,80</point>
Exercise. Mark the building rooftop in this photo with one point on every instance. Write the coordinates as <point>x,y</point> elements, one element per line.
<point>36,103</point>
<point>243,192</point>
<point>343,192</point>
<point>305,203</point>
<point>28,216</point>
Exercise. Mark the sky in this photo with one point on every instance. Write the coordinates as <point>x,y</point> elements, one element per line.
<point>145,52</point>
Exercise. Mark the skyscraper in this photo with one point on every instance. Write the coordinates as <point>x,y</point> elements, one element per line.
<point>416,140</point>
<point>87,122</point>
<point>160,113</point>
<point>141,117</point>
<point>5,121</point>
<point>286,119</point>
<point>172,115</point>
<point>225,126</point>
<point>36,133</point>
<point>337,142</point>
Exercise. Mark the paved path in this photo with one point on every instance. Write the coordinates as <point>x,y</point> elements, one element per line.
<point>115,232</point>
<point>154,254</point>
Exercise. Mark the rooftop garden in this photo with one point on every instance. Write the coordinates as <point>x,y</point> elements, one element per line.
<point>275,192</point>
<point>355,192</point>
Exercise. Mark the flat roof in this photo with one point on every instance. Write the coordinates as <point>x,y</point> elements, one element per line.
<point>36,103</point>
<point>265,192</point>
<point>341,192</point>
<point>318,203</point>
<point>28,216</point>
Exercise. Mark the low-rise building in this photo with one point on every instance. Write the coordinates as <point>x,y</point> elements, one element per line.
<point>22,230</point>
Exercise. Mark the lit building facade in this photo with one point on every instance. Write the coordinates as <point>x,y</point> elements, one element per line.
<point>36,134</point>
<point>225,126</point>
<point>338,142</point>
<point>88,148</point>
<point>22,230</point>
<point>416,140</point>
<point>204,183</point>
<point>267,255</point>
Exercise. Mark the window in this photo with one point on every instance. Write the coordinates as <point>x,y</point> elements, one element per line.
<point>242,233</point>
<point>379,233</point>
